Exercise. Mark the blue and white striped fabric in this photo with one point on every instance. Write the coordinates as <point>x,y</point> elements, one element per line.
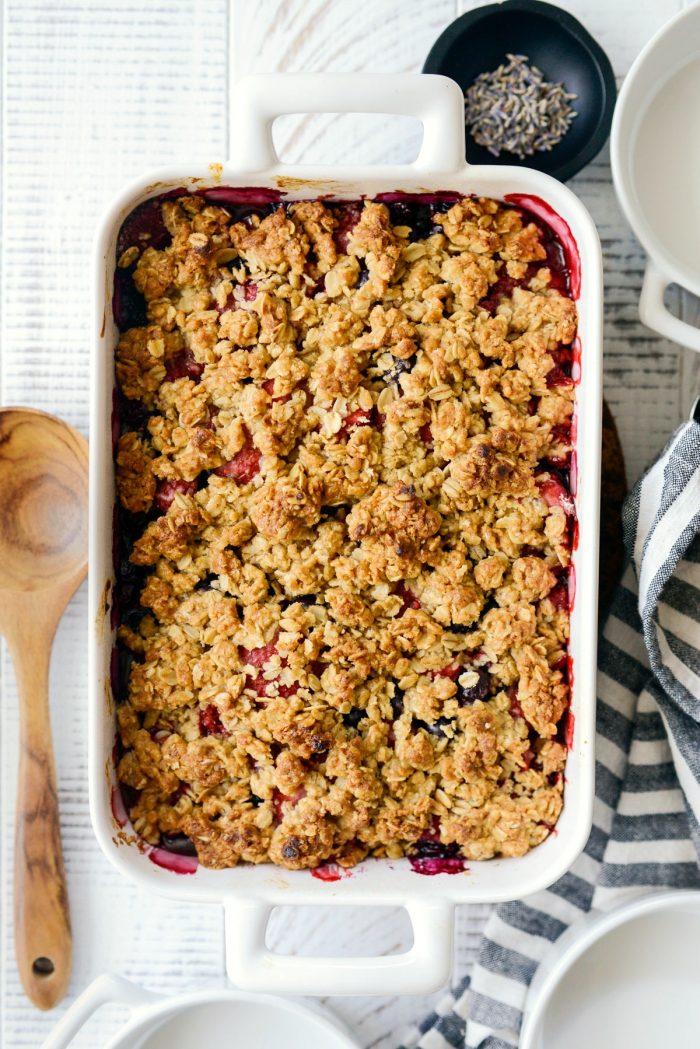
<point>646,821</point>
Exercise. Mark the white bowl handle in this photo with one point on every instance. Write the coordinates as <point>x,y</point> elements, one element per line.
<point>435,100</point>
<point>425,967</point>
<point>653,312</point>
<point>105,989</point>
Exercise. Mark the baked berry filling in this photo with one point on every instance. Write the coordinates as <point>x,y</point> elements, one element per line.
<point>347,216</point>
<point>244,466</point>
<point>210,722</point>
<point>358,417</point>
<point>166,490</point>
<point>478,685</point>
<point>183,365</point>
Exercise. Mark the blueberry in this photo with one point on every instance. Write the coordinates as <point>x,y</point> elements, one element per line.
<point>180,844</point>
<point>128,304</point>
<point>460,628</point>
<point>436,728</point>
<point>206,582</point>
<point>437,849</point>
<point>130,796</point>
<point>302,599</point>
<point>397,703</point>
<point>477,691</point>
<point>125,659</point>
<point>255,801</point>
<point>132,414</point>
<point>419,217</point>
<point>391,375</point>
<point>364,274</point>
<point>353,718</point>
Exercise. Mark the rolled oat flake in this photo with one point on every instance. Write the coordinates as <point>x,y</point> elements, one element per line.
<point>515,110</point>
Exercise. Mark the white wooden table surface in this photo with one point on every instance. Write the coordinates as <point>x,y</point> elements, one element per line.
<point>93,93</point>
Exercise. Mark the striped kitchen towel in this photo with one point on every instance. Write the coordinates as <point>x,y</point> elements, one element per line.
<point>646,819</point>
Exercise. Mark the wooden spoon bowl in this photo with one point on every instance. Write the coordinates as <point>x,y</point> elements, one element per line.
<point>43,559</point>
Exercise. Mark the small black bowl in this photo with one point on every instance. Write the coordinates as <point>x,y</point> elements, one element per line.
<point>556,43</point>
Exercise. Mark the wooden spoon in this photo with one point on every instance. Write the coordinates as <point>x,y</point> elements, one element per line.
<point>43,559</point>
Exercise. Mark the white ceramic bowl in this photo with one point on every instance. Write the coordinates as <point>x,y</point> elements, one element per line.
<point>221,1018</point>
<point>655,155</point>
<point>249,893</point>
<point>625,979</point>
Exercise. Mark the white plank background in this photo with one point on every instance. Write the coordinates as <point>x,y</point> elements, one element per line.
<point>93,93</point>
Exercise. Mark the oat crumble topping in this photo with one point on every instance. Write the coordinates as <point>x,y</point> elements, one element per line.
<point>344,529</point>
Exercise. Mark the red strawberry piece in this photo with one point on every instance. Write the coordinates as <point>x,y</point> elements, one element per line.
<point>287,690</point>
<point>559,462</point>
<point>281,801</point>
<point>210,722</point>
<point>347,217</point>
<point>229,304</point>
<point>555,494</point>
<point>247,292</point>
<point>167,490</point>
<point>451,672</point>
<point>312,290</point>
<point>503,288</point>
<point>244,466</point>
<point>561,434</point>
<point>360,417</point>
<point>558,377</point>
<point>258,657</point>
<point>426,434</point>
<point>562,355</point>
<point>182,365</point>
<point>408,598</point>
<point>559,596</point>
<point>145,227</point>
<point>433,831</point>
<point>516,711</point>
<point>269,388</point>
<point>258,684</point>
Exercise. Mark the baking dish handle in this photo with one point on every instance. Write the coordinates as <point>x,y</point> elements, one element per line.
<point>434,100</point>
<point>653,312</point>
<point>425,967</point>
<point>104,990</point>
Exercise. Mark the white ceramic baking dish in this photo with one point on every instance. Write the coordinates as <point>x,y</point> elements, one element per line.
<point>249,893</point>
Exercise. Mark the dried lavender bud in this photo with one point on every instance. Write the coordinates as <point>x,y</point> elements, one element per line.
<point>515,110</point>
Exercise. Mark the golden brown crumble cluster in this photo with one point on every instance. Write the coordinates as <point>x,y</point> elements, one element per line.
<point>352,536</point>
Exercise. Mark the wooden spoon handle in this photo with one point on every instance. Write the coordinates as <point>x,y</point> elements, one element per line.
<point>43,941</point>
